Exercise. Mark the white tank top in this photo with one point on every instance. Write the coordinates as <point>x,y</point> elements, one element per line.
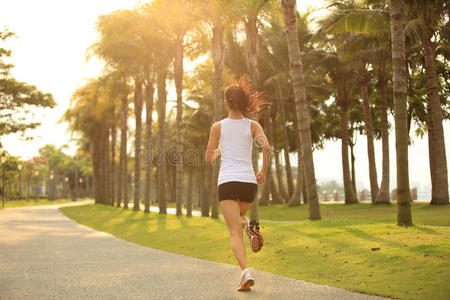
<point>236,143</point>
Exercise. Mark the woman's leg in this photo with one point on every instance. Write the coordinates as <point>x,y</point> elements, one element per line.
<point>243,207</point>
<point>232,213</point>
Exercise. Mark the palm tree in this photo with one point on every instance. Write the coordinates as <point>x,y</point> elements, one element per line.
<point>249,11</point>
<point>425,17</point>
<point>178,20</point>
<point>161,160</point>
<point>340,75</point>
<point>89,115</point>
<point>363,81</point>
<point>383,195</point>
<point>401,133</point>
<point>370,41</point>
<point>122,178</point>
<point>138,103</point>
<point>149,102</point>
<point>216,14</point>
<point>289,12</point>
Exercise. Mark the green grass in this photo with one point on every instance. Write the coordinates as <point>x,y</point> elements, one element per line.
<point>423,213</point>
<point>32,202</point>
<point>412,263</point>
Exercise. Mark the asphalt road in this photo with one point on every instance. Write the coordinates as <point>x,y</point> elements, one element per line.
<point>45,255</point>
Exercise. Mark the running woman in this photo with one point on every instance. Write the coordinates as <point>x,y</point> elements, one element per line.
<point>232,139</point>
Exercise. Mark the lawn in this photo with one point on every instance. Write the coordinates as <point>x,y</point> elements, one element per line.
<point>423,213</point>
<point>32,202</point>
<point>411,263</point>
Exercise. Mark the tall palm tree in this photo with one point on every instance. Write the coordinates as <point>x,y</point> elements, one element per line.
<point>149,103</point>
<point>340,75</point>
<point>217,16</point>
<point>177,19</point>
<point>161,159</point>
<point>363,81</point>
<point>289,12</point>
<point>383,195</point>
<point>122,178</point>
<point>401,134</point>
<point>89,115</point>
<point>425,17</point>
<point>122,45</point>
<point>138,104</point>
<point>249,11</point>
<point>116,89</point>
<point>369,26</point>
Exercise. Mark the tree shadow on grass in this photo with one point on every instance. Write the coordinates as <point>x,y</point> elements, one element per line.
<point>161,224</point>
<point>426,230</point>
<point>363,235</point>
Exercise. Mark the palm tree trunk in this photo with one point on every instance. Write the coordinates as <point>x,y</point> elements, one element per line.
<point>352,156</point>
<point>280,104</point>
<point>401,134</point>
<point>94,147</point>
<point>217,51</point>
<point>300,185</point>
<point>190,192</point>
<point>209,185</point>
<point>431,149</point>
<point>438,160</point>
<point>252,49</point>
<point>178,69</point>
<point>162,94</point>
<point>276,153</point>
<point>276,198</point>
<point>298,81</point>
<point>352,162</point>
<point>105,167</point>
<point>348,188</point>
<point>113,164</point>
<point>363,83</point>
<point>123,154</point>
<point>204,173</point>
<point>138,101</point>
<point>254,209</point>
<point>203,192</point>
<point>383,195</point>
<point>149,91</point>
<point>265,195</point>
<point>173,179</point>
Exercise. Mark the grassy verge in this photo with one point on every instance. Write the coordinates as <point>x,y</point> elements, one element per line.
<point>423,213</point>
<point>32,202</point>
<point>412,263</point>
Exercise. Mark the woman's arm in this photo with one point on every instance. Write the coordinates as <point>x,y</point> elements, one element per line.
<point>263,142</point>
<point>212,150</point>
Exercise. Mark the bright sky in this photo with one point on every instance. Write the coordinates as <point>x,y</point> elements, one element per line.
<point>49,52</point>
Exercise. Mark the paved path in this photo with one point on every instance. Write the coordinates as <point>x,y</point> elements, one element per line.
<point>45,255</point>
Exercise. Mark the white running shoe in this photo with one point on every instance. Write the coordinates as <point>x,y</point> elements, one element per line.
<point>245,281</point>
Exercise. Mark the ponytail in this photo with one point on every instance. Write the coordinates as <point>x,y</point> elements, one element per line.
<point>242,98</point>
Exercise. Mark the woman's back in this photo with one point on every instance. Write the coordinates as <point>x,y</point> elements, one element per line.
<point>236,143</point>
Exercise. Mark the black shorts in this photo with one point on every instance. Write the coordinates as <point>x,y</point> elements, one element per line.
<point>236,190</point>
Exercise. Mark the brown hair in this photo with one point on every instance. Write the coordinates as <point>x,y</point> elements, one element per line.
<point>242,98</point>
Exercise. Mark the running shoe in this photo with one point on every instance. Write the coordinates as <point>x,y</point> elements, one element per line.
<point>245,281</point>
<point>255,237</point>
